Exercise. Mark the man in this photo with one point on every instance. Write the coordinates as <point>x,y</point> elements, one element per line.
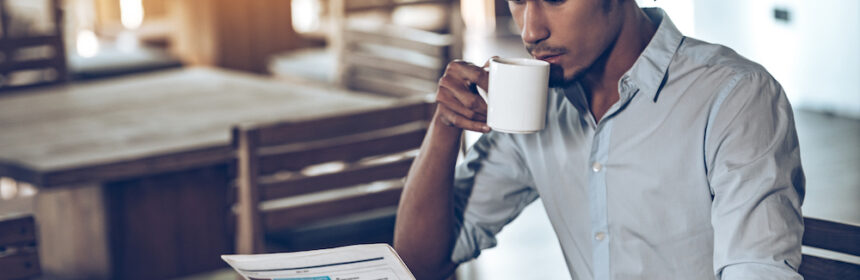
<point>663,157</point>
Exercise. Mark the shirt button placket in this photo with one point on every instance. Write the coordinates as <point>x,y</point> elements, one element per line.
<point>598,200</point>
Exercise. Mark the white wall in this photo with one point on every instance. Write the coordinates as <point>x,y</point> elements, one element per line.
<point>815,56</point>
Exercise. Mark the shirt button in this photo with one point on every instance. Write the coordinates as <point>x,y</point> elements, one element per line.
<point>596,167</point>
<point>599,236</point>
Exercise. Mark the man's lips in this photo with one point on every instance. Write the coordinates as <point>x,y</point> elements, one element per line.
<point>551,58</point>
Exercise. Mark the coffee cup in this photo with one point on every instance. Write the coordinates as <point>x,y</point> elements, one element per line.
<point>516,94</point>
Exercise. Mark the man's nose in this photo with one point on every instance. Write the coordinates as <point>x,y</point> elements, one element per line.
<point>535,28</point>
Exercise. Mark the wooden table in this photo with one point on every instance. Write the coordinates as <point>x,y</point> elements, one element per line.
<point>134,172</point>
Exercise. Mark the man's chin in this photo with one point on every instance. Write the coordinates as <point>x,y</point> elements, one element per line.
<point>557,78</point>
<point>556,75</point>
<point>556,82</point>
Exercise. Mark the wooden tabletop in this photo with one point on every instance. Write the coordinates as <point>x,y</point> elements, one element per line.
<point>143,124</point>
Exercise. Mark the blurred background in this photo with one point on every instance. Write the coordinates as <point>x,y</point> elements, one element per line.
<point>122,123</point>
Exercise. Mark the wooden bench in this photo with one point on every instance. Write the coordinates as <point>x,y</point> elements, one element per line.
<point>335,170</point>
<point>19,257</point>
<point>831,236</point>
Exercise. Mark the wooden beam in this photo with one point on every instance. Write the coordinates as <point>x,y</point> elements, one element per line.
<point>843,238</point>
<point>354,175</point>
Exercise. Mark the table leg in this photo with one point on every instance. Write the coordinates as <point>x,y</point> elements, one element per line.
<point>72,232</point>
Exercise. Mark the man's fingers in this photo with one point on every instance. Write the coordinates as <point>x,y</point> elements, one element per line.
<point>467,73</point>
<point>447,98</point>
<point>461,106</point>
<point>451,118</point>
<point>462,93</point>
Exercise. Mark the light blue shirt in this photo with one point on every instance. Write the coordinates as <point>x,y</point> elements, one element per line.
<point>693,174</point>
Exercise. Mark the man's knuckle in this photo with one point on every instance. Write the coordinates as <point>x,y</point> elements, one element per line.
<point>451,66</point>
<point>455,122</point>
<point>474,104</point>
<point>445,81</point>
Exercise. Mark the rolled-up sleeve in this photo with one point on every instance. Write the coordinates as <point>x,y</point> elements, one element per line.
<point>757,182</point>
<point>491,187</point>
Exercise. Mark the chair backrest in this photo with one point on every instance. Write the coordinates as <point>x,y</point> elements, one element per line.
<point>381,57</point>
<point>19,258</point>
<point>837,237</point>
<point>281,181</point>
<point>31,59</point>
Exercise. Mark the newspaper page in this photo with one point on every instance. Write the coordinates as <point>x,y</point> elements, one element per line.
<point>358,262</point>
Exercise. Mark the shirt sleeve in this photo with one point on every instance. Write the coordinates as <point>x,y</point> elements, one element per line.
<point>491,187</point>
<point>757,182</point>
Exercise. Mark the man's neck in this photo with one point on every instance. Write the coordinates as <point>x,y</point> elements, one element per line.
<point>601,80</point>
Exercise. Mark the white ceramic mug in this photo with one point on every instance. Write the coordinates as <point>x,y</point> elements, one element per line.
<point>517,94</point>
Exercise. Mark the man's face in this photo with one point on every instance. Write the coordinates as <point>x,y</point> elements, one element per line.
<point>569,34</point>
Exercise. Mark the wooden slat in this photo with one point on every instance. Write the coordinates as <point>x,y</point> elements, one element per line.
<point>384,87</point>
<point>815,268</point>
<point>303,214</point>
<point>36,64</point>
<point>389,83</point>
<point>427,72</point>
<point>429,43</point>
<point>299,157</point>
<point>831,236</point>
<point>345,124</point>
<point>21,265</point>
<point>360,5</point>
<point>352,176</point>
<point>18,231</point>
<point>8,43</point>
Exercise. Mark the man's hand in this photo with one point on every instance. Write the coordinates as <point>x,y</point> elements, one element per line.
<point>459,104</point>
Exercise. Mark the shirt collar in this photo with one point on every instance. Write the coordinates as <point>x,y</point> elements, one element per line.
<point>648,73</point>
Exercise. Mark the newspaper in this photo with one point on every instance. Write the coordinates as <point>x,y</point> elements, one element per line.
<point>358,262</point>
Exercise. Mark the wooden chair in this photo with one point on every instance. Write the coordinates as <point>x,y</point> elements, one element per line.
<point>385,58</point>
<point>279,190</point>
<point>831,236</point>
<point>41,58</point>
<point>19,258</point>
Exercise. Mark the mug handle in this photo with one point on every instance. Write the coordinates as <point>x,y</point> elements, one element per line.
<point>481,92</point>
